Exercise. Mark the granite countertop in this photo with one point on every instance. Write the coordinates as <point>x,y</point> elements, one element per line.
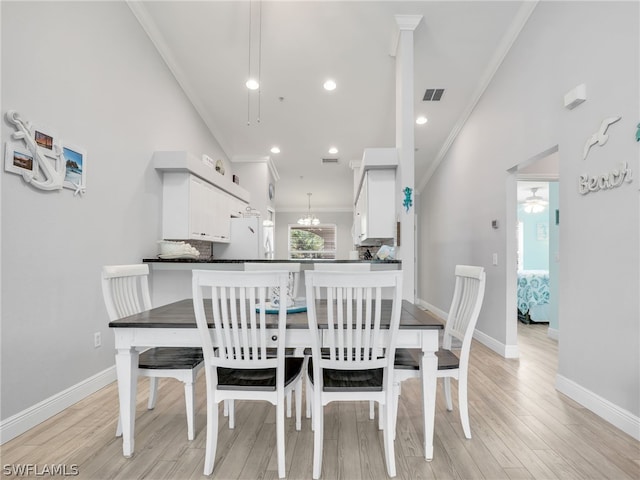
<point>219,260</point>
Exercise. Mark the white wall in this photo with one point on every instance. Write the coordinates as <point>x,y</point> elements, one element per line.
<point>255,177</point>
<point>88,71</point>
<point>521,115</point>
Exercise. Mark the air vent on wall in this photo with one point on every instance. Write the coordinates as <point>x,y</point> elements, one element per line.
<point>329,160</point>
<point>433,94</point>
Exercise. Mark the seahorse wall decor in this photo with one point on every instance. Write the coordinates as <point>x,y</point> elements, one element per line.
<point>53,170</point>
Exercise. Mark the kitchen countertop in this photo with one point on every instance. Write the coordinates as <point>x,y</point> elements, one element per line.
<point>303,261</point>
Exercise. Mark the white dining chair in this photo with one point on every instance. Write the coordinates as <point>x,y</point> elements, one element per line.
<point>463,315</point>
<point>353,352</point>
<point>249,361</point>
<point>125,289</point>
<point>338,267</point>
<point>293,286</point>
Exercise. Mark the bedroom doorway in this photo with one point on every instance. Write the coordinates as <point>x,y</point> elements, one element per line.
<point>537,202</point>
<point>537,233</point>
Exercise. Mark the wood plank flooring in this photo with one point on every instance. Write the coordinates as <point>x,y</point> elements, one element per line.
<point>522,429</point>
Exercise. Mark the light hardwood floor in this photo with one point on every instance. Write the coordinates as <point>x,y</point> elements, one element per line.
<point>521,426</point>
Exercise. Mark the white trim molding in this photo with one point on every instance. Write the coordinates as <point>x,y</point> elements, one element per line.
<point>258,159</point>
<point>507,42</point>
<point>38,413</point>
<point>506,351</point>
<point>618,417</point>
<point>502,349</point>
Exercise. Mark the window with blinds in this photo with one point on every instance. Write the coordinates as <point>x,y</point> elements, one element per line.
<point>312,242</point>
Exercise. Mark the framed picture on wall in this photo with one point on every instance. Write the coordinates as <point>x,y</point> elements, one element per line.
<point>19,160</point>
<point>75,158</point>
<point>46,140</point>
<point>542,231</point>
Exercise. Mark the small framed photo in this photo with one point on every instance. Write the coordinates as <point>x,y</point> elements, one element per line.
<point>542,231</point>
<point>75,159</point>
<point>45,139</point>
<point>19,160</point>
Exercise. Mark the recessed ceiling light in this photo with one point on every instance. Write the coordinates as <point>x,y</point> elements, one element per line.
<point>329,85</point>
<point>333,150</point>
<point>275,149</point>
<point>421,120</point>
<point>252,84</point>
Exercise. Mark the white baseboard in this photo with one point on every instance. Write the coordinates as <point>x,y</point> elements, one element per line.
<point>506,351</point>
<point>36,414</point>
<point>432,308</point>
<point>553,334</point>
<point>618,417</point>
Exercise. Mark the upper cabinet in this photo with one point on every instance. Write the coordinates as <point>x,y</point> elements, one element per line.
<point>196,204</point>
<point>193,209</point>
<point>375,208</point>
<point>374,215</point>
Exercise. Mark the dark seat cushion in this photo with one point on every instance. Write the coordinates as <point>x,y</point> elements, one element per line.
<point>170,358</point>
<point>409,359</point>
<point>343,380</point>
<point>257,379</point>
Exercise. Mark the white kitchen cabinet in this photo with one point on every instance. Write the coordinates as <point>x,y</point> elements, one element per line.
<point>236,206</point>
<point>375,207</point>
<point>193,209</point>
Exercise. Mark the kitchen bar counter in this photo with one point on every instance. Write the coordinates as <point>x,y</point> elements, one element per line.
<point>171,278</point>
<point>302,261</point>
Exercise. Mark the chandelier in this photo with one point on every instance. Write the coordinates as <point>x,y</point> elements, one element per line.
<point>534,203</point>
<point>309,219</point>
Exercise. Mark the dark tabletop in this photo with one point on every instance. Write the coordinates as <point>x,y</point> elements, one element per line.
<point>181,315</point>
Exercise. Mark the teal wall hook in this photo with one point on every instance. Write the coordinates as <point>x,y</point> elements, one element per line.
<point>407,202</point>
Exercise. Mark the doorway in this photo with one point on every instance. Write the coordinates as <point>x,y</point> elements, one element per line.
<point>542,173</point>
<point>536,206</point>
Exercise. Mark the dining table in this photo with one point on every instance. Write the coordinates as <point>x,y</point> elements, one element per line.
<point>174,325</point>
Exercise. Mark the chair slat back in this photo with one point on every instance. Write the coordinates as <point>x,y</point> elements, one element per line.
<point>465,307</point>
<point>340,267</point>
<point>354,317</point>
<point>234,304</point>
<point>125,289</point>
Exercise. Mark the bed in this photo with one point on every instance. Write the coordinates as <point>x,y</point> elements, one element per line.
<point>533,296</point>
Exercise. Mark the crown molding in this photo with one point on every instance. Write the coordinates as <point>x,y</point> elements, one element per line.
<point>303,210</point>
<point>148,25</point>
<point>509,38</point>
<point>404,23</point>
<point>258,159</point>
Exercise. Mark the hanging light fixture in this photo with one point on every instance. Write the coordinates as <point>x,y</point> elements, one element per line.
<point>534,203</point>
<point>253,83</point>
<point>309,219</point>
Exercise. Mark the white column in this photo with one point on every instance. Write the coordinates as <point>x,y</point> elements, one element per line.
<point>405,174</point>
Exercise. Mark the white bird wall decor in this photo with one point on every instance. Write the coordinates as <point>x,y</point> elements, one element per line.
<point>600,137</point>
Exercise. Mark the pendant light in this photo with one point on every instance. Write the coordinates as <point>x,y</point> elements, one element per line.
<point>253,83</point>
<point>309,219</point>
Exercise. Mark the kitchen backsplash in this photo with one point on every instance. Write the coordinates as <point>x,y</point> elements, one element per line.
<point>203,246</point>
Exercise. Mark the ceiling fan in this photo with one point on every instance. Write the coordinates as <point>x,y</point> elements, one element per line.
<point>534,203</point>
